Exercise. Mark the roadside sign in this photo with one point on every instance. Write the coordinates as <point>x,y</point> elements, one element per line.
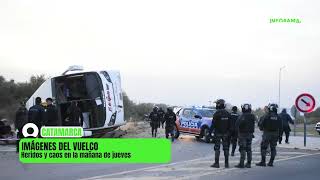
<point>305,102</point>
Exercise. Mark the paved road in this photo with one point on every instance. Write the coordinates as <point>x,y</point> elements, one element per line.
<point>288,163</point>
<point>304,167</point>
<point>190,160</point>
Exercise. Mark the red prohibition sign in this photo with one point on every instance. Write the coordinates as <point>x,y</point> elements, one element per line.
<point>305,102</point>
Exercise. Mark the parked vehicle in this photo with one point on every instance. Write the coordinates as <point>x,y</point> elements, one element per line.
<point>195,121</point>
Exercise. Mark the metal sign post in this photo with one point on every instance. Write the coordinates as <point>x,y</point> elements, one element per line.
<point>294,112</point>
<point>294,127</point>
<point>304,130</point>
<point>305,103</point>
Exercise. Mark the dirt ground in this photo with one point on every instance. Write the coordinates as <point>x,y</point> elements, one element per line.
<point>140,129</point>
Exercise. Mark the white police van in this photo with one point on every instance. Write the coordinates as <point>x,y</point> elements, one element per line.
<point>98,94</point>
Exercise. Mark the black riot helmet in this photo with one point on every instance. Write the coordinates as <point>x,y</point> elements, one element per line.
<point>234,109</point>
<point>273,107</point>
<point>155,108</point>
<point>246,108</point>
<point>220,104</point>
<point>169,109</point>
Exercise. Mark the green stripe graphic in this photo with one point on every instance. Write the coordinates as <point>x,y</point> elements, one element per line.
<point>94,150</point>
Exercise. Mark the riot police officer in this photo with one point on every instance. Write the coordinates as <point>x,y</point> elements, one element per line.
<point>233,132</point>
<point>161,116</point>
<point>170,119</point>
<point>270,124</point>
<point>155,120</point>
<point>265,110</point>
<point>245,128</point>
<point>286,119</point>
<point>221,129</point>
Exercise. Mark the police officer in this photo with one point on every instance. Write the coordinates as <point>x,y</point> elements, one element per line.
<point>154,117</point>
<point>36,114</point>
<point>221,129</point>
<point>233,132</point>
<point>270,124</point>
<point>245,128</point>
<point>170,119</point>
<point>265,110</point>
<point>51,113</point>
<point>161,116</point>
<point>20,121</point>
<point>286,119</point>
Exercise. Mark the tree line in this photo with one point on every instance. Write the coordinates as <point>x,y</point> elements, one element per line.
<point>12,93</point>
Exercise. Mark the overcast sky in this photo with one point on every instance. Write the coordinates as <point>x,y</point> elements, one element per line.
<point>178,52</point>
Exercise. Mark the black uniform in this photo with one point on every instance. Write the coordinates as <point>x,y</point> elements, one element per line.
<point>20,121</point>
<point>245,126</point>
<point>170,119</point>
<point>233,132</point>
<point>270,124</point>
<point>155,120</point>
<point>36,115</point>
<point>161,116</point>
<point>286,119</point>
<point>51,115</point>
<point>221,127</point>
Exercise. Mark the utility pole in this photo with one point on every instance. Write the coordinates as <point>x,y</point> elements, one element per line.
<point>279,95</point>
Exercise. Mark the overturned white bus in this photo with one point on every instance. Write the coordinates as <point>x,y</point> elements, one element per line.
<point>98,94</point>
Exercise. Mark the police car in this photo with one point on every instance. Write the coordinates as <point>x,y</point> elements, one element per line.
<point>318,127</point>
<point>196,121</point>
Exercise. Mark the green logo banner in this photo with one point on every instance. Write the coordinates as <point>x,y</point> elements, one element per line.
<point>55,131</point>
<point>94,150</point>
